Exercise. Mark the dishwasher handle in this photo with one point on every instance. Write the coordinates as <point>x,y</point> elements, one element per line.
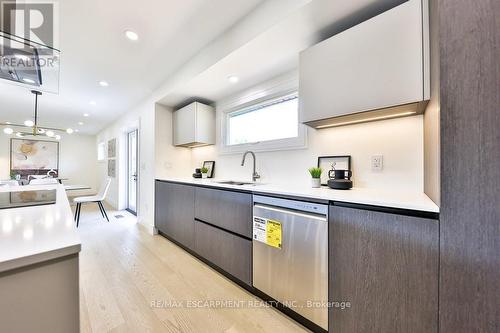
<point>319,217</point>
<point>294,205</point>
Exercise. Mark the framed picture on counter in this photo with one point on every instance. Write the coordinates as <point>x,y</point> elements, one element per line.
<point>210,165</point>
<point>327,163</point>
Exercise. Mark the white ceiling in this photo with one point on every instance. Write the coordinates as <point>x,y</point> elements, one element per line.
<point>93,48</point>
<point>276,50</point>
<point>174,36</point>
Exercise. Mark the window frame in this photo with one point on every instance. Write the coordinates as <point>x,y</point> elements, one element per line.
<point>298,142</point>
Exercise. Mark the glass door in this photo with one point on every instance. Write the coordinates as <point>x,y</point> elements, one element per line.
<point>132,171</point>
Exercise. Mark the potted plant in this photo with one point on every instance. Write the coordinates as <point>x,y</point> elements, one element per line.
<point>204,172</point>
<point>316,177</point>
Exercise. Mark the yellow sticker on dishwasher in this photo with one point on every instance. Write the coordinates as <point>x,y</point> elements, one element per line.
<point>273,233</point>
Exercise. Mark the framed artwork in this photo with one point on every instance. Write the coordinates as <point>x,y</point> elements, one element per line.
<point>112,148</point>
<point>210,165</point>
<point>112,168</point>
<point>33,157</point>
<point>327,163</point>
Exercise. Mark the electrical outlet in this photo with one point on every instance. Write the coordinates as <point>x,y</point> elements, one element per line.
<point>377,163</point>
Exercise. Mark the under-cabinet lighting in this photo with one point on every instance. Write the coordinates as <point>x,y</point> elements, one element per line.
<point>368,119</point>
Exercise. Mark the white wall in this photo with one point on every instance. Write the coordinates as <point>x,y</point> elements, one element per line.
<point>77,160</point>
<point>170,161</point>
<point>400,141</point>
<point>157,156</point>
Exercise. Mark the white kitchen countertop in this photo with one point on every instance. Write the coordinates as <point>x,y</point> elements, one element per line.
<point>385,198</point>
<point>29,235</point>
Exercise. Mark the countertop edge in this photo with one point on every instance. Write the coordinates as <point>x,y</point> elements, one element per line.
<point>39,257</point>
<point>432,207</point>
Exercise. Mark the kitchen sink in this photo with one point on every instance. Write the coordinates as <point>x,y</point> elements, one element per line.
<point>234,182</point>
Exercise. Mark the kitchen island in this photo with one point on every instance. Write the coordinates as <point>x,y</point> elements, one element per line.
<point>39,267</point>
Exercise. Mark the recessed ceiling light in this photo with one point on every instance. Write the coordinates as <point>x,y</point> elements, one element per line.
<point>30,81</point>
<point>80,123</point>
<point>103,83</point>
<point>85,114</point>
<point>132,35</point>
<point>92,103</point>
<point>233,79</point>
<point>8,130</point>
<point>29,123</point>
<point>69,130</point>
<point>77,130</point>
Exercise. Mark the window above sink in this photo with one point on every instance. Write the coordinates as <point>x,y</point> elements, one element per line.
<point>263,118</point>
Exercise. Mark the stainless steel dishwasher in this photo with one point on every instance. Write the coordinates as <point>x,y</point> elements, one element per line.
<point>290,255</point>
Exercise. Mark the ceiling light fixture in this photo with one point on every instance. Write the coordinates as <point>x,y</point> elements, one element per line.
<point>103,84</point>
<point>233,79</point>
<point>32,125</point>
<point>85,114</point>
<point>131,35</point>
<point>93,103</point>
<point>69,130</point>
<point>29,123</point>
<point>77,130</point>
<point>80,123</point>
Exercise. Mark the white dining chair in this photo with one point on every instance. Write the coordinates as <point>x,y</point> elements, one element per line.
<point>43,181</point>
<point>99,198</point>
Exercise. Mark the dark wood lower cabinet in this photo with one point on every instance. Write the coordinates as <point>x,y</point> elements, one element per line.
<point>228,251</point>
<point>174,212</point>
<point>386,266</point>
<point>226,209</point>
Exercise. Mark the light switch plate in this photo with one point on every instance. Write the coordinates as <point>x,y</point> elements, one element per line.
<point>377,163</point>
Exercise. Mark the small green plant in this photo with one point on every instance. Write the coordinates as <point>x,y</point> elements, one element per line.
<point>204,170</point>
<point>315,172</point>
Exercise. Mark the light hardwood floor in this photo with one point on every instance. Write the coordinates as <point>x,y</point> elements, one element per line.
<point>128,278</point>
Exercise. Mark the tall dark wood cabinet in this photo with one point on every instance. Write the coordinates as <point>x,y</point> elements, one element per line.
<point>174,212</point>
<point>470,165</point>
<point>386,265</point>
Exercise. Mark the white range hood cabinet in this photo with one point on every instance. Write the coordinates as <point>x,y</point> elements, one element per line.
<point>194,125</point>
<point>376,70</point>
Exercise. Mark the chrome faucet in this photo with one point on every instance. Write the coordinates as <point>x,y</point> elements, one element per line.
<point>255,175</point>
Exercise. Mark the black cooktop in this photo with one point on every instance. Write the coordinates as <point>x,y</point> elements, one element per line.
<point>27,198</point>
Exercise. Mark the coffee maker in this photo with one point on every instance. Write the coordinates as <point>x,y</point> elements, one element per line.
<point>340,179</point>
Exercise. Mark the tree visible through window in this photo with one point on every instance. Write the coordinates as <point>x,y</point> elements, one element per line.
<point>273,120</point>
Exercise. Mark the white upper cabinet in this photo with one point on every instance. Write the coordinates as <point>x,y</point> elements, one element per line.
<point>378,64</point>
<point>194,125</point>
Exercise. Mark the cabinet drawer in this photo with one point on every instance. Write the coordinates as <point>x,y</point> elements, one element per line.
<point>228,251</point>
<point>226,209</point>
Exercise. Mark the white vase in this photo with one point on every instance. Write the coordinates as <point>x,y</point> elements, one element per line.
<point>316,182</point>
<point>204,175</point>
